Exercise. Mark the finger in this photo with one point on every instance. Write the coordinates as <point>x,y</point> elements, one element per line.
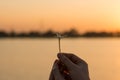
<point>68,63</point>
<point>74,58</point>
<point>56,72</point>
<point>51,76</point>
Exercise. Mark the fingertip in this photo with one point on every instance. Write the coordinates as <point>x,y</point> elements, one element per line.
<point>56,60</point>
<point>58,55</point>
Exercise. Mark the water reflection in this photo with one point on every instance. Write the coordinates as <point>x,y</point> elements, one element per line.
<point>32,59</point>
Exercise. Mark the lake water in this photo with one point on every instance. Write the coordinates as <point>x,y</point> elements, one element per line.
<point>32,59</point>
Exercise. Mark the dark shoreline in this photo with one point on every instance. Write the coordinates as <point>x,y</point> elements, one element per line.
<point>51,34</point>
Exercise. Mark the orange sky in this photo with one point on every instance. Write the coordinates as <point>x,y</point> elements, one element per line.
<point>84,15</point>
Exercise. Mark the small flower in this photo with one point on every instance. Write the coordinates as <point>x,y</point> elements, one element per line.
<point>59,35</point>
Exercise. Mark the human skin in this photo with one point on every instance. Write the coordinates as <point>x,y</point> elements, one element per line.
<point>77,67</point>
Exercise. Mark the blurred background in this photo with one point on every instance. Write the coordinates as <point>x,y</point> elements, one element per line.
<point>28,42</point>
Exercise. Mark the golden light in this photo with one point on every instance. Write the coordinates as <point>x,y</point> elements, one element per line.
<point>116,12</point>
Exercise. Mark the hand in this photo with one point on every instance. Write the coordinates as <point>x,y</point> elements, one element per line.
<point>55,73</point>
<point>78,68</point>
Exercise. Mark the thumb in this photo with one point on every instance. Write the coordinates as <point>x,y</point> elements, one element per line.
<point>68,63</point>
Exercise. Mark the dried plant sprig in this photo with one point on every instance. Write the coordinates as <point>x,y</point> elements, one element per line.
<point>59,36</point>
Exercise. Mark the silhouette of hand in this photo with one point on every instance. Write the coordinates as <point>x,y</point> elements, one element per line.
<point>77,69</point>
<point>55,73</point>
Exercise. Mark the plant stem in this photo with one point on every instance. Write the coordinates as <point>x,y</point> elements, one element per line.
<point>59,44</point>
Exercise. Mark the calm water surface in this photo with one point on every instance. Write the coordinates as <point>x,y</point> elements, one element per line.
<point>32,59</point>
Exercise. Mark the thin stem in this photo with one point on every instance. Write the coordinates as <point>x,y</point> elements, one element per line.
<point>59,44</point>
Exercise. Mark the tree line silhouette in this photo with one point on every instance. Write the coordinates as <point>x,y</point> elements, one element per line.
<point>51,34</point>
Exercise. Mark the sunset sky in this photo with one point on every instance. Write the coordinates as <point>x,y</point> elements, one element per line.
<point>60,15</point>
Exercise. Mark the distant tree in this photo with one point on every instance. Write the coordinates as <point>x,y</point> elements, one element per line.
<point>49,33</point>
<point>72,33</point>
<point>97,34</point>
<point>3,34</point>
<point>12,34</point>
<point>22,35</point>
<point>117,34</point>
<point>34,34</point>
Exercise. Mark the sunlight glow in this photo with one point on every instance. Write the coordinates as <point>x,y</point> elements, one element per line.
<point>25,15</point>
